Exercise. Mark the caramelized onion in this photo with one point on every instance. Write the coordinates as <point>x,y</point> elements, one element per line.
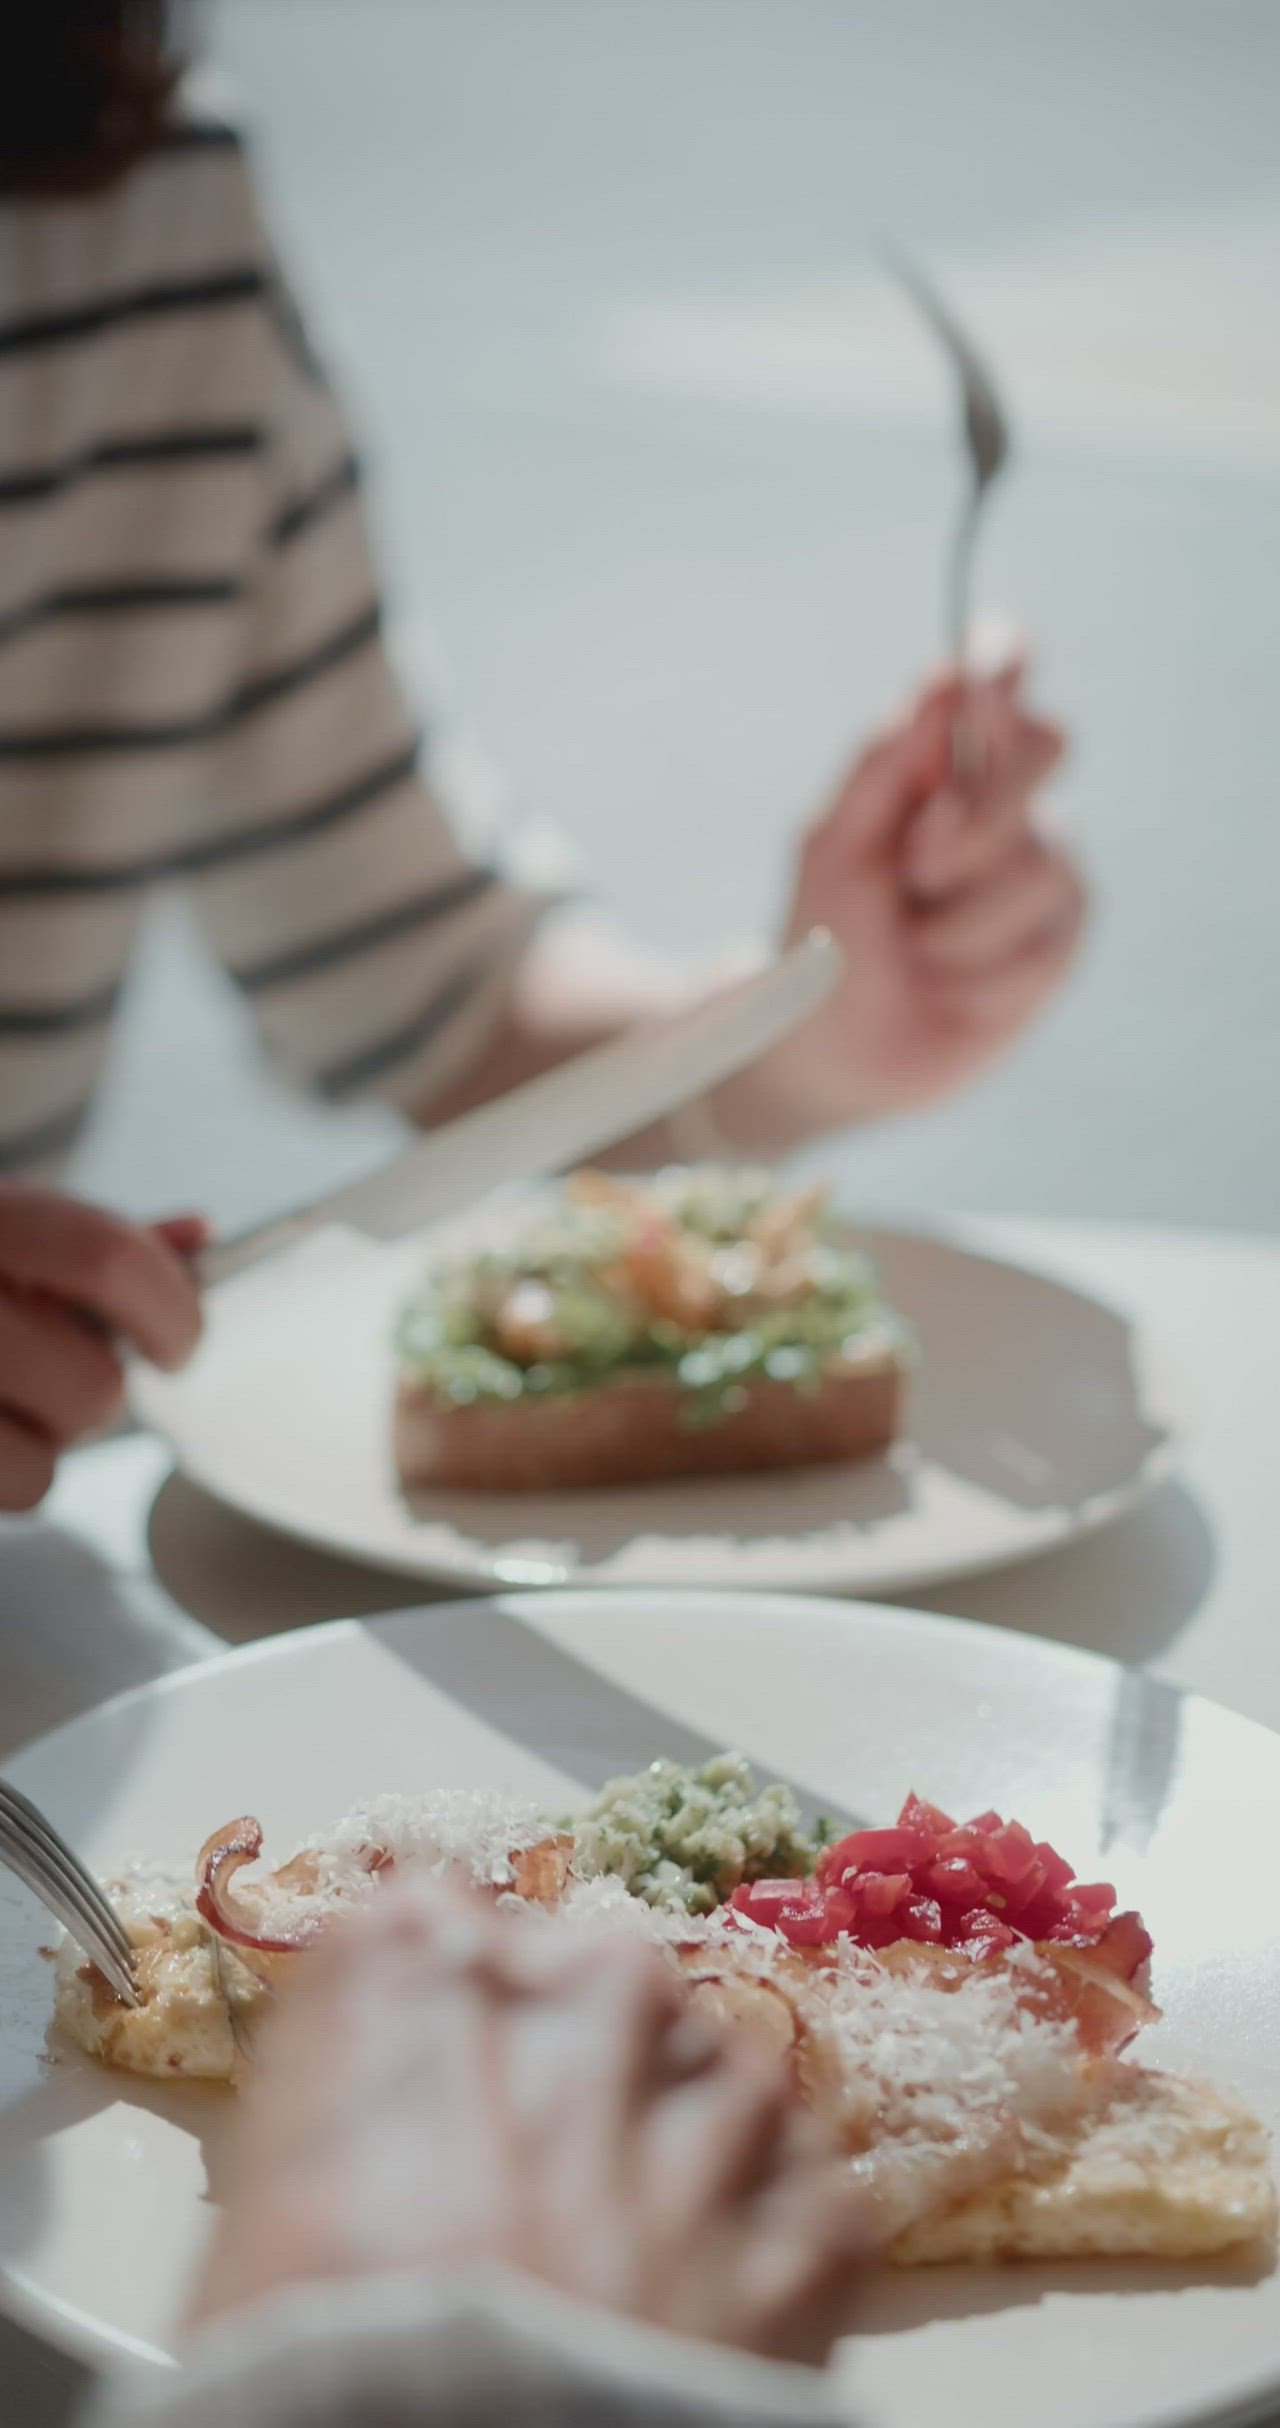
<point>236,1913</point>
<point>237,1919</point>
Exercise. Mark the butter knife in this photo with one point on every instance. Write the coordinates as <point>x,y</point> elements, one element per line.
<point>564,1115</point>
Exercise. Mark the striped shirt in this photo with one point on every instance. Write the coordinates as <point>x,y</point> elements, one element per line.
<point>193,684</point>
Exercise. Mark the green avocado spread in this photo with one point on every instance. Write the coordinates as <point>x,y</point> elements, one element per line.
<point>706,1278</point>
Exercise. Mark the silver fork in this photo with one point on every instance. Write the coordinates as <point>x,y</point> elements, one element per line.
<point>988,445</point>
<point>32,1847</point>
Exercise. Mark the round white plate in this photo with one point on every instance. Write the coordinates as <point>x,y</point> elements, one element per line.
<point>1035,1415</point>
<point>103,2185</point>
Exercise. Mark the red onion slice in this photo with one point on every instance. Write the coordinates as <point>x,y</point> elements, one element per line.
<point>221,1857</point>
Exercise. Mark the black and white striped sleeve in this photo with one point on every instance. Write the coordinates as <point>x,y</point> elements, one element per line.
<point>375,949</point>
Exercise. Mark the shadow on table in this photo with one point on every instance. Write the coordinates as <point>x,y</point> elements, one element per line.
<point>42,2388</point>
<point>71,1632</point>
<point>1128,1590</point>
<point>244,1580</point>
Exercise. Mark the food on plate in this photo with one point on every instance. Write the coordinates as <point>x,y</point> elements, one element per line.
<point>182,2023</point>
<point>1155,2168</point>
<point>948,1995</point>
<point>212,1945</point>
<point>685,1840</point>
<point>705,1322</point>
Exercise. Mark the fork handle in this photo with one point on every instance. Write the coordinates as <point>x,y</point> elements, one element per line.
<point>966,741</point>
<point>960,576</point>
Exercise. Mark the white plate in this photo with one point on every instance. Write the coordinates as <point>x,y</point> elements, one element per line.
<point>103,2185</point>
<point>1035,1415</point>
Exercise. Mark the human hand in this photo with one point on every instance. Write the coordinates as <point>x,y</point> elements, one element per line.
<point>453,2084</point>
<point>959,915</point>
<point>73,1280</point>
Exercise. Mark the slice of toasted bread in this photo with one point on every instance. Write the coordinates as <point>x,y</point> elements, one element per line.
<point>638,1430</point>
<point>1165,2170</point>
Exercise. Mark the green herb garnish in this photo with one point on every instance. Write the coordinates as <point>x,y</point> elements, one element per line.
<point>574,1302</point>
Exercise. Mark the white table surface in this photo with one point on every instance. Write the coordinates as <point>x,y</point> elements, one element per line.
<point>129,1571</point>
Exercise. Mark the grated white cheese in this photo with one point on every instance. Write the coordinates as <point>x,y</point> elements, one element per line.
<point>920,2061</point>
<point>145,1893</point>
<point>606,1903</point>
<point>932,2090</point>
<point>475,1831</point>
<point>936,2090</point>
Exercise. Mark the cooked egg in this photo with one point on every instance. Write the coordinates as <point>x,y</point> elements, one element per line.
<point>181,2025</point>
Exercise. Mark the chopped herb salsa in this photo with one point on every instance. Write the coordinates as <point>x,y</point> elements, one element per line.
<point>706,1278</point>
<point>685,1839</point>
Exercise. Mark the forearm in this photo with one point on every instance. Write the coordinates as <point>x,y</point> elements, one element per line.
<point>582,983</point>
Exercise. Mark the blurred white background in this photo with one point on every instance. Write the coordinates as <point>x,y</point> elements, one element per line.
<point>663,472</point>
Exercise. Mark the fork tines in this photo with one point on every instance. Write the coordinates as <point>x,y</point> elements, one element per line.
<point>32,1848</point>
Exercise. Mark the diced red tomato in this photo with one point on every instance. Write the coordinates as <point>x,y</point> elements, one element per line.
<point>1018,1895</point>
<point>981,1933</point>
<point>921,1918</point>
<point>976,1887</point>
<point>916,1814</point>
<point>1008,1853</point>
<point>875,1850</point>
<point>879,1930</point>
<point>1056,1869</point>
<point>804,1925</point>
<point>1038,1920</point>
<point>762,1897</point>
<point>1093,1896</point>
<point>840,1909</point>
<point>879,1892</point>
<point>954,1881</point>
<point>795,1908</point>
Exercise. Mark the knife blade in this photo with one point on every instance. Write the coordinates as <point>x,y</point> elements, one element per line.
<point>555,1120</point>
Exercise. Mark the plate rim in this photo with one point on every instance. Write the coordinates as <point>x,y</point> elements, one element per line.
<point>954,1238</point>
<point>52,2320</point>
